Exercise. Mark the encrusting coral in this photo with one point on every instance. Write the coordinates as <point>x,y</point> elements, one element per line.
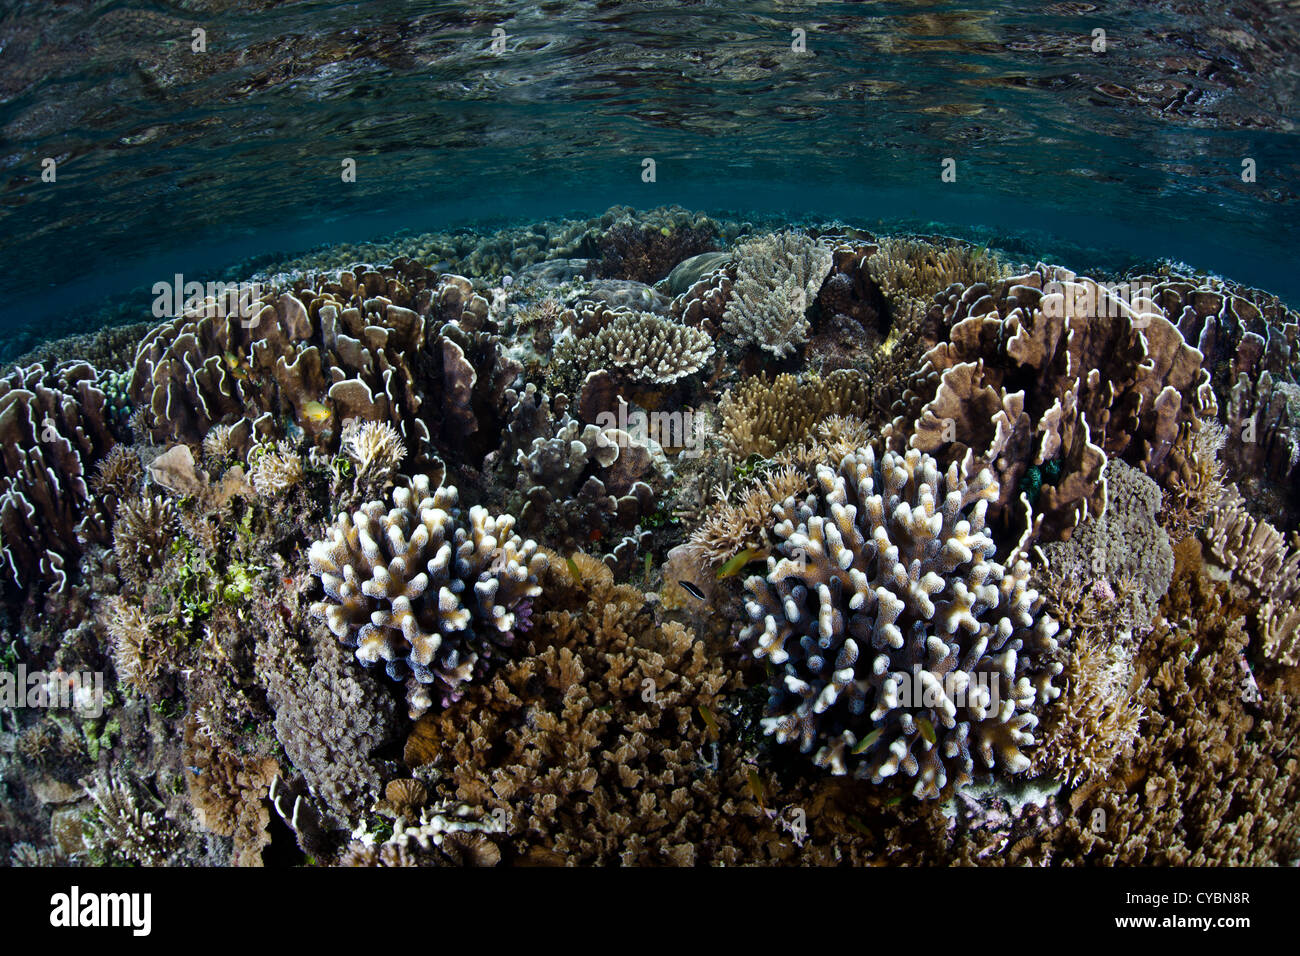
<point>434,594</point>
<point>900,643</point>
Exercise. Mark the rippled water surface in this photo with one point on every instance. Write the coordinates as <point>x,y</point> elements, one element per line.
<point>168,159</point>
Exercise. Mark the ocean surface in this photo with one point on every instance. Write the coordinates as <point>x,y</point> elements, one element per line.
<point>1100,134</point>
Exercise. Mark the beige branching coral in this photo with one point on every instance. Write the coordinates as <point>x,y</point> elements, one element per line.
<point>761,417</point>
<point>1256,554</point>
<point>375,447</point>
<point>902,645</point>
<point>127,824</point>
<point>138,652</point>
<point>273,468</point>
<point>638,347</point>
<point>910,268</point>
<point>777,280</point>
<point>433,594</point>
<point>143,534</point>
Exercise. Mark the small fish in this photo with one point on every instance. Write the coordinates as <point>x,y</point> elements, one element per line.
<point>894,801</point>
<point>647,569</point>
<point>596,534</point>
<point>710,722</point>
<point>756,787</point>
<point>692,590</point>
<point>317,412</point>
<point>573,569</point>
<point>236,366</point>
<point>859,826</point>
<point>866,742</point>
<point>927,730</point>
<point>736,563</point>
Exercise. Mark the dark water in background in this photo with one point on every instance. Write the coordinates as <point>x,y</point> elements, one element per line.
<point>174,161</point>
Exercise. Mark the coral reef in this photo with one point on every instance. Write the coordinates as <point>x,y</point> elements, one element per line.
<point>884,581</point>
<point>832,549</point>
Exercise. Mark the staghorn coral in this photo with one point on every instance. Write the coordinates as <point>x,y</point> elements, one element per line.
<point>913,268</point>
<point>777,280</point>
<point>884,580</point>
<point>637,347</point>
<point>433,594</point>
<point>1256,555</point>
<point>762,418</point>
<point>1124,542</point>
<point>53,429</point>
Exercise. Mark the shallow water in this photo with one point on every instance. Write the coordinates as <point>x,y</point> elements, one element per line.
<point>169,160</point>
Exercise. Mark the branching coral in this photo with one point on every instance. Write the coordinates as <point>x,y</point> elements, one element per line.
<point>433,594</point>
<point>1255,554</point>
<point>902,644</point>
<point>761,418</point>
<point>777,280</point>
<point>143,534</point>
<point>127,824</point>
<point>638,347</point>
<point>273,468</point>
<point>918,269</point>
<point>375,448</point>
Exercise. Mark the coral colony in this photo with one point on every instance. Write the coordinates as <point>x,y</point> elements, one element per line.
<point>657,539</point>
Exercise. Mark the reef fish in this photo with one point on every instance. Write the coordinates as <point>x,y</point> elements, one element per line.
<point>736,563</point>
<point>692,590</point>
<point>317,412</point>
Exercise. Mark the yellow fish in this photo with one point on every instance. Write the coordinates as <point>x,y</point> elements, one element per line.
<point>737,563</point>
<point>317,412</point>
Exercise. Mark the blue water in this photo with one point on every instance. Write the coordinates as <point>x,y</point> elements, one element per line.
<point>173,161</point>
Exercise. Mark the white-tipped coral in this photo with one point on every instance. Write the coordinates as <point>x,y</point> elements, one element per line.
<point>431,592</point>
<point>901,643</point>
